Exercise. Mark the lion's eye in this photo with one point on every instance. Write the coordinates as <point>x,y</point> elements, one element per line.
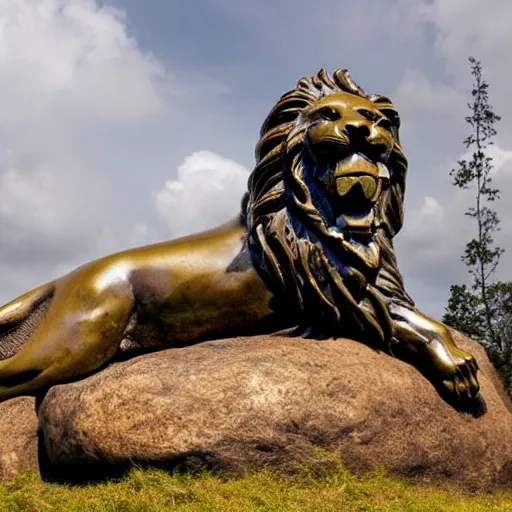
<point>393,116</point>
<point>385,123</point>
<point>368,114</point>
<point>328,114</point>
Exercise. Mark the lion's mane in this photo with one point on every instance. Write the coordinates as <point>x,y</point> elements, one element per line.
<point>332,287</point>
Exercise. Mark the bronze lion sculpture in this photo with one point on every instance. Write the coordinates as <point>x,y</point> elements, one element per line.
<point>311,255</point>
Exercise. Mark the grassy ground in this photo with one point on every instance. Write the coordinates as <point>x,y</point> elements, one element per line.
<point>156,491</point>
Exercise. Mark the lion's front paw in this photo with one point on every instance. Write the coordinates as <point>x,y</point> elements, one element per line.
<point>458,372</point>
<point>429,346</point>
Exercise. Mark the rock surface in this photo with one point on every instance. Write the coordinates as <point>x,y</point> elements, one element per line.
<point>245,403</point>
<point>18,436</point>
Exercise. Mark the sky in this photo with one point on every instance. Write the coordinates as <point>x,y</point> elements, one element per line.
<point>124,122</point>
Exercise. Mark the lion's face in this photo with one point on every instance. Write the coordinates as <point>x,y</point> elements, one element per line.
<point>351,153</point>
<point>324,201</point>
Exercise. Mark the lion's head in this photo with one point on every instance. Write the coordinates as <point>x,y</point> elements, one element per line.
<point>324,201</point>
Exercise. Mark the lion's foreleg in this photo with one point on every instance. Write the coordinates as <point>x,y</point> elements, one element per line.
<point>429,346</point>
<point>421,341</point>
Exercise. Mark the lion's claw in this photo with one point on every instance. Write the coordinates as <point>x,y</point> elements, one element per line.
<point>452,371</point>
<point>463,384</point>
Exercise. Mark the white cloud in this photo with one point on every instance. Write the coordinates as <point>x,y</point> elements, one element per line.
<point>438,226</point>
<point>501,161</point>
<point>65,58</point>
<point>43,202</point>
<point>471,26</point>
<point>436,232</point>
<point>428,221</point>
<point>417,96</point>
<point>68,70</point>
<point>207,192</point>
<point>482,30</point>
<point>432,241</point>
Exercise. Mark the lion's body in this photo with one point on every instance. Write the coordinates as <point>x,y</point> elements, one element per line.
<point>312,250</point>
<point>166,295</point>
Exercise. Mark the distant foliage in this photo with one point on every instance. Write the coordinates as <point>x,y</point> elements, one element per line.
<point>483,311</point>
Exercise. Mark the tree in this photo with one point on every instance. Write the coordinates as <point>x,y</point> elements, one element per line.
<point>484,311</point>
<point>500,352</point>
<point>464,312</point>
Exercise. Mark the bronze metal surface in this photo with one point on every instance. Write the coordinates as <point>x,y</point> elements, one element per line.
<point>312,251</point>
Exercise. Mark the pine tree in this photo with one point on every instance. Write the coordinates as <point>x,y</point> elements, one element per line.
<point>484,311</point>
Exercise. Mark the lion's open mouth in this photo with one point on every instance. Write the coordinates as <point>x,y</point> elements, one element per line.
<point>357,171</point>
<point>358,183</point>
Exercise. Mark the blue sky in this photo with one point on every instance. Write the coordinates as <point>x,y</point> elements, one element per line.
<point>127,122</point>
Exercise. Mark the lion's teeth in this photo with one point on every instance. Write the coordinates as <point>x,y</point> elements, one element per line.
<point>369,186</point>
<point>345,183</point>
<point>383,170</point>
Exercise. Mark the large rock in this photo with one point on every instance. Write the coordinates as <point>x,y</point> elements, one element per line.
<point>250,402</point>
<point>18,437</point>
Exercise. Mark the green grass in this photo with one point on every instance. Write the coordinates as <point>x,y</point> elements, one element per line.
<point>155,490</point>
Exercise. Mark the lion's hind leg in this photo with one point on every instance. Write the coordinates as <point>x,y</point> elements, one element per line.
<point>19,308</point>
<point>17,382</point>
<point>80,332</point>
<point>20,318</point>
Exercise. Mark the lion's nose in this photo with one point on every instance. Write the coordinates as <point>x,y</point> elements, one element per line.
<point>358,132</point>
<point>366,138</point>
